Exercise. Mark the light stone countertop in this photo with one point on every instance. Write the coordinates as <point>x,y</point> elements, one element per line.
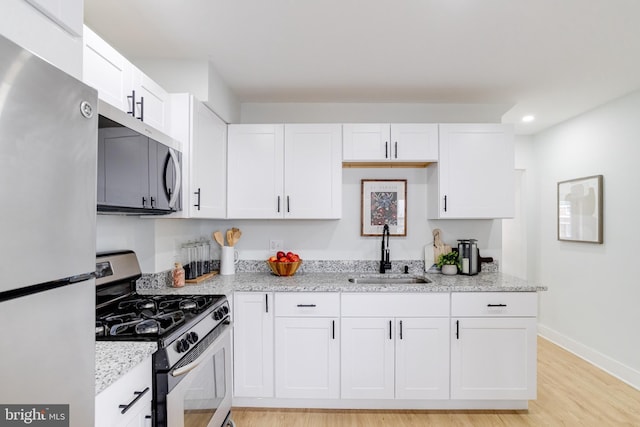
<point>116,358</point>
<point>338,282</point>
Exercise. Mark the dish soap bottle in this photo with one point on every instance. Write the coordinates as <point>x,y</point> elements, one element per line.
<point>178,275</point>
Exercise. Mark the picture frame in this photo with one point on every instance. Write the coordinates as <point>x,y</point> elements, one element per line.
<point>580,210</point>
<point>383,201</point>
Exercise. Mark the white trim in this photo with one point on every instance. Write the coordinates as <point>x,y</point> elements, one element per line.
<point>248,402</point>
<point>611,366</point>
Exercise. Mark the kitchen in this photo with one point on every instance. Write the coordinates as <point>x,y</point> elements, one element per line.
<point>598,141</point>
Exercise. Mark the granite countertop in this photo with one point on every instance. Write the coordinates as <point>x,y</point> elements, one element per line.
<point>116,358</point>
<point>338,282</point>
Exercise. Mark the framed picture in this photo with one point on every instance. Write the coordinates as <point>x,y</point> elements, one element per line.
<point>580,210</point>
<point>384,201</point>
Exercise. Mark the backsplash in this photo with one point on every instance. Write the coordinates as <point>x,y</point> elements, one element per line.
<point>164,279</point>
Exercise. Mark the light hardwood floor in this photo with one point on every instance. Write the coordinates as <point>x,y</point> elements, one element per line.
<point>571,392</point>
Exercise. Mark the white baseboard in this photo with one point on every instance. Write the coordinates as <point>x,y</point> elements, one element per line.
<point>613,367</point>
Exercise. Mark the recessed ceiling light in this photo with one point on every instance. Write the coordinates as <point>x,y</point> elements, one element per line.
<point>527,119</point>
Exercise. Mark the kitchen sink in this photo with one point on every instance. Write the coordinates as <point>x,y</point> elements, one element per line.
<point>388,280</point>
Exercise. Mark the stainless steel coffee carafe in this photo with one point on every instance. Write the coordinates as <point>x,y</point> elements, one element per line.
<point>468,256</point>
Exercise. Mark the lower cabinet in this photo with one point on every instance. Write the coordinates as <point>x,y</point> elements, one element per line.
<point>253,344</point>
<point>494,350</point>
<point>395,346</point>
<point>307,345</point>
<point>127,402</point>
<point>384,348</point>
<point>307,357</point>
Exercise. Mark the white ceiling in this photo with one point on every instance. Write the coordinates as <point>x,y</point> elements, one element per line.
<point>550,58</point>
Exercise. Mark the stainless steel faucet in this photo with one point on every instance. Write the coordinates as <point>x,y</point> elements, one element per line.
<point>385,264</point>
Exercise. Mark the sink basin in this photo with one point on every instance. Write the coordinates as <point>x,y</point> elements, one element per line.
<point>388,280</point>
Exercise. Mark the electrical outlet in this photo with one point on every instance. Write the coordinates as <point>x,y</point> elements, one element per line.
<point>276,245</point>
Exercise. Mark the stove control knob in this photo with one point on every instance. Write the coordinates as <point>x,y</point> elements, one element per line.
<point>192,338</point>
<point>225,309</point>
<point>218,314</point>
<point>182,345</point>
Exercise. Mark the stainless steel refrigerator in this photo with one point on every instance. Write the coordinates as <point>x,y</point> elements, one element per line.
<point>48,150</point>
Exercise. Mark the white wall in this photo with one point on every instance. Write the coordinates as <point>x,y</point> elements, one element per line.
<point>178,76</point>
<point>592,305</point>
<point>370,113</point>
<point>157,241</point>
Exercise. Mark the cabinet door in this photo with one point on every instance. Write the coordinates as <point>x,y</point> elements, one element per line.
<point>476,171</point>
<point>152,102</point>
<point>366,141</point>
<point>255,171</point>
<point>414,142</point>
<point>66,13</point>
<point>105,69</point>
<point>367,358</point>
<point>253,344</point>
<point>208,164</point>
<point>493,358</point>
<point>108,412</point>
<point>313,171</point>
<point>126,182</point>
<point>307,357</point>
<point>422,358</point>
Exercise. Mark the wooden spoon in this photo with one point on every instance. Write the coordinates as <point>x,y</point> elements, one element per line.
<point>230,237</point>
<point>236,234</point>
<point>217,236</point>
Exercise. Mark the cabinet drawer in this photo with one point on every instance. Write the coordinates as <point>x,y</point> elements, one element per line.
<point>395,305</point>
<point>307,304</point>
<point>494,304</point>
<point>123,392</point>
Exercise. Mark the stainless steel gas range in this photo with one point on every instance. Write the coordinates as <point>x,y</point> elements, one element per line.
<point>192,366</point>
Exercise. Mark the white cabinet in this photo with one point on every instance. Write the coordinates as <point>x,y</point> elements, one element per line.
<point>493,346</point>
<point>367,358</point>
<point>422,358</point>
<point>122,84</point>
<point>253,344</point>
<point>127,402</point>
<point>307,345</point>
<point>284,171</point>
<point>395,346</point>
<point>405,142</point>
<point>204,161</point>
<point>52,29</point>
<point>105,69</point>
<point>66,13</point>
<point>474,176</point>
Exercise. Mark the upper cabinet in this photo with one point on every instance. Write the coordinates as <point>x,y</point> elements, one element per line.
<point>52,29</point>
<point>122,84</point>
<point>66,13</point>
<point>407,142</point>
<point>474,176</point>
<point>285,171</point>
<point>204,157</point>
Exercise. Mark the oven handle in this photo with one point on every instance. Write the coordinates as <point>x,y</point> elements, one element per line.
<point>204,356</point>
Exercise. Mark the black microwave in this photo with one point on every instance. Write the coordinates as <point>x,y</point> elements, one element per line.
<point>139,168</point>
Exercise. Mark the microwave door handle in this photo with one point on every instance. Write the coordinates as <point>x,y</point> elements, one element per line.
<point>176,189</point>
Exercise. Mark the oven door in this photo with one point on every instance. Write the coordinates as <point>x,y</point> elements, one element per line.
<point>202,396</point>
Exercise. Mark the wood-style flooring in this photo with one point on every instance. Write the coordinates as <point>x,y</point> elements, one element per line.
<point>571,392</point>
